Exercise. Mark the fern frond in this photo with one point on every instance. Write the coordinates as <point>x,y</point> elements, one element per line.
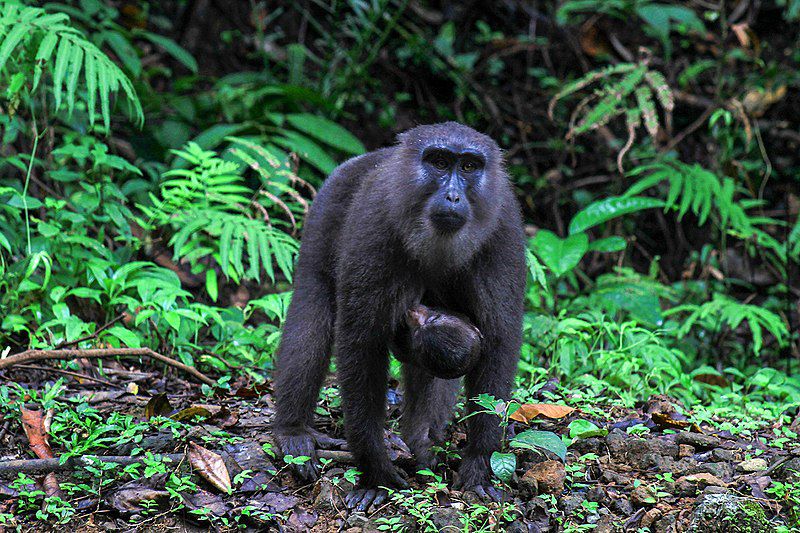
<point>51,43</point>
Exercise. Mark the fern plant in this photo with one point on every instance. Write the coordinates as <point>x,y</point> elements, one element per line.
<point>212,215</point>
<point>696,189</point>
<point>31,35</point>
<point>627,89</point>
<point>723,311</point>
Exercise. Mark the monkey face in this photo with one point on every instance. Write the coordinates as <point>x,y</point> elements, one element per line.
<point>455,173</point>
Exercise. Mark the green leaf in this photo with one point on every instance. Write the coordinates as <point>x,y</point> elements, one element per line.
<point>211,284</point>
<point>125,336</point>
<point>609,208</point>
<point>583,429</point>
<point>214,135</point>
<point>609,244</point>
<point>124,51</point>
<point>533,439</point>
<point>326,131</point>
<point>307,149</point>
<point>560,255</point>
<point>172,48</point>
<point>503,465</point>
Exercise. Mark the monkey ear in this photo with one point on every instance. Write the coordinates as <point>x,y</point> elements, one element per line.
<point>417,315</point>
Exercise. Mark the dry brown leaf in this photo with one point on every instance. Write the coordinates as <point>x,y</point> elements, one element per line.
<point>210,466</point>
<point>757,101</point>
<point>529,411</point>
<point>34,425</point>
<point>191,412</point>
<point>158,405</point>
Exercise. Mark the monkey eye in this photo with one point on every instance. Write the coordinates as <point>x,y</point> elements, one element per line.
<point>469,166</point>
<point>440,163</point>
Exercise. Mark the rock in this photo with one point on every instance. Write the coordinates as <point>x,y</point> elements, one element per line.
<point>607,524</point>
<point>789,471</point>
<point>727,513</point>
<point>723,471</point>
<point>597,494</point>
<point>516,526</point>
<point>698,440</point>
<point>650,517</point>
<point>548,477</point>
<point>622,506</point>
<point>685,450</point>
<point>330,496</point>
<point>571,503</point>
<point>643,496</point>
<point>584,446</point>
<point>689,485</point>
<point>721,454</point>
<point>640,453</point>
<point>447,519</point>
<point>357,519</point>
<point>752,465</point>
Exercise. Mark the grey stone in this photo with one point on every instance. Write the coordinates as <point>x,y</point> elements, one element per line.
<point>727,513</point>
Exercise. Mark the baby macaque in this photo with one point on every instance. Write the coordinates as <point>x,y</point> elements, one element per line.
<point>445,344</point>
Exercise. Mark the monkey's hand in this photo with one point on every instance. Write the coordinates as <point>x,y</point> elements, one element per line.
<point>305,443</point>
<point>474,476</point>
<point>372,492</point>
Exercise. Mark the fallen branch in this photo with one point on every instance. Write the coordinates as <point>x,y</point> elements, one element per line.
<point>40,466</point>
<point>99,353</point>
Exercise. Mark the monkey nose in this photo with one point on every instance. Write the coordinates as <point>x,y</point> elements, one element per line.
<point>453,197</point>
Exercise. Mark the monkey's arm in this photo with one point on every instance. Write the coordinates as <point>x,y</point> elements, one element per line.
<point>497,301</point>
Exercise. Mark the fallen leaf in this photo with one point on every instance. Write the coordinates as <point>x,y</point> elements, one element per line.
<point>131,499</point>
<point>210,466</point>
<point>34,425</point>
<point>191,412</point>
<point>670,421</point>
<point>158,405</point>
<point>529,411</point>
<point>758,100</point>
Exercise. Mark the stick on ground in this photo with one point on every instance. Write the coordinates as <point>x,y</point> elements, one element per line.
<point>99,353</point>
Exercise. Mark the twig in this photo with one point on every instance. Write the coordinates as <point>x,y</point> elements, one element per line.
<point>694,126</point>
<point>99,353</point>
<point>76,375</point>
<point>91,335</point>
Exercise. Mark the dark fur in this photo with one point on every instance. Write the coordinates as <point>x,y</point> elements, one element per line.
<point>445,344</point>
<point>370,251</point>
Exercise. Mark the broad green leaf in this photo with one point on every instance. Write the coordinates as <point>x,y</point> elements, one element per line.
<point>503,465</point>
<point>125,336</point>
<point>172,48</point>
<point>326,131</point>
<point>609,208</point>
<point>211,284</point>
<point>124,51</point>
<point>560,255</point>
<point>307,150</point>
<point>608,244</point>
<point>533,439</point>
<point>583,429</point>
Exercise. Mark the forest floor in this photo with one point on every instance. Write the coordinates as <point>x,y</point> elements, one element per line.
<point>649,467</point>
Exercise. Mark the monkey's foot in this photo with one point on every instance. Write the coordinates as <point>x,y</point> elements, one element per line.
<point>473,476</point>
<point>362,499</point>
<point>304,444</point>
<point>373,494</point>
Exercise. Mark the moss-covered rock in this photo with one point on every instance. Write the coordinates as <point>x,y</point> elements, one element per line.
<point>726,513</point>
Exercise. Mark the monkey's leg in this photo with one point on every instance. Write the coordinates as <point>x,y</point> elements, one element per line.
<point>428,407</point>
<point>362,367</point>
<point>301,364</point>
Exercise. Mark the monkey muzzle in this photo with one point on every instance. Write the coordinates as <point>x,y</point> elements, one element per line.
<point>448,220</point>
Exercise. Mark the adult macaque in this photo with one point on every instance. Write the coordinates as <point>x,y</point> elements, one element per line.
<point>445,344</point>
<point>431,220</point>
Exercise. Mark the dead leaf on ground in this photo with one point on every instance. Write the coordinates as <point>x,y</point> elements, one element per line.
<point>130,499</point>
<point>529,411</point>
<point>33,422</point>
<point>674,421</point>
<point>158,405</point>
<point>191,412</point>
<point>210,466</point>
